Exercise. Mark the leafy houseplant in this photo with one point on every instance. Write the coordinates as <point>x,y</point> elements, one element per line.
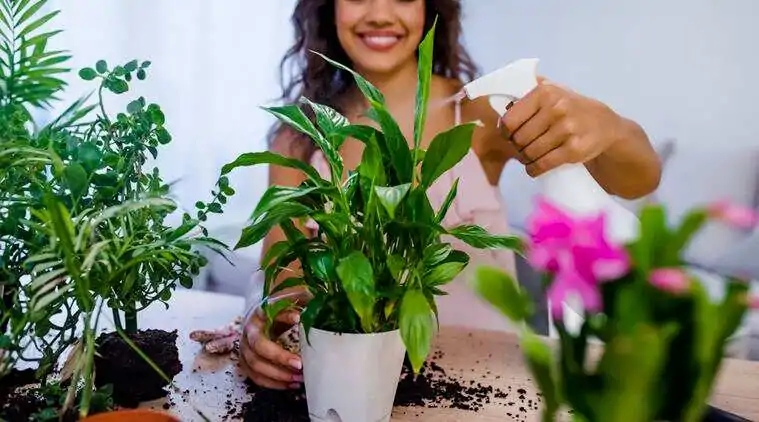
<point>378,260</point>
<point>663,338</point>
<point>82,223</point>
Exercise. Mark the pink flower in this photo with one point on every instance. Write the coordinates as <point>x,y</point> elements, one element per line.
<point>576,251</point>
<point>753,302</point>
<point>672,280</point>
<point>733,214</point>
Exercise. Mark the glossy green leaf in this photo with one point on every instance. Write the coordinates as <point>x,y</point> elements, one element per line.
<point>357,278</point>
<point>416,325</point>
<point>87,74</point>
<point>328,119</point>
<point>424,66</point>
<point>391,196</point>
<point>101,66</point>
<point>449,198</point>
<point>277,195</point>
<point>369,91</point>
<point>255,232</point>
<point>311,313</point>
<point>478,237</point>
<point>445,151</point>
<point>397,146</point>
<point>502,292</point>
<point>444,273</point>
<point>266,157</point>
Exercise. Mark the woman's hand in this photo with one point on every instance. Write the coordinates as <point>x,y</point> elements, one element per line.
<point>265,362</point>
<point>552,126</point>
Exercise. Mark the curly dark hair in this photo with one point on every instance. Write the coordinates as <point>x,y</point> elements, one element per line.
<point>304,74</point>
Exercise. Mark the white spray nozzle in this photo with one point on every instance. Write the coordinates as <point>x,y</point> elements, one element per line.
<point>505,85</point>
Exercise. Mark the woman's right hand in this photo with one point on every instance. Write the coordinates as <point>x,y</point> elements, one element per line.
<point>267,363</point>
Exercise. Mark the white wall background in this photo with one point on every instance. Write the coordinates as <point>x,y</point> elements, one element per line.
<point>686,69</point>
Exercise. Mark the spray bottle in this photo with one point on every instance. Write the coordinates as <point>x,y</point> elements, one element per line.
<point>570,186</point>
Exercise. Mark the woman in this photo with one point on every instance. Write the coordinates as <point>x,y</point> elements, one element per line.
<point>551,126</point>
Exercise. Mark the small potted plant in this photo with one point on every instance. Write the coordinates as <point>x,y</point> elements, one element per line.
<point>378,261</point>
<point>662,339</point>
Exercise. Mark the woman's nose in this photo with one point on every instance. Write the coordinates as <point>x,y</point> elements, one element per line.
<point>380,12</point>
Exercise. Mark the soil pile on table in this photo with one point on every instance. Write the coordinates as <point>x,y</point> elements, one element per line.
<point>431,388</point>
<point>133,379</point>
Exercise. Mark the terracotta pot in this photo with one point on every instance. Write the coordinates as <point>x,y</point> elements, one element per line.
<point>141,415</point>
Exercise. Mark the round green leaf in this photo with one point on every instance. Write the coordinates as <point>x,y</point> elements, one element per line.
<point>101,66</point>
<point>131,66</point>
<point>145,64</point>
<point>88,74</point>
<point>141,75</point>
<point>128,77</point>
<point>163,135</point>
<point>76,178</point>
<point>90,156</point>
<point>134,107</point>
<point>117,86</point>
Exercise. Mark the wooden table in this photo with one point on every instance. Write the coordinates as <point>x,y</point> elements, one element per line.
<point>208,382</point>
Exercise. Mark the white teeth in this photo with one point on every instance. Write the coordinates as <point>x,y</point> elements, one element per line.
<point>381,40</point>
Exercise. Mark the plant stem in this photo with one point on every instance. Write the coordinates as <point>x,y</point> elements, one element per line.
<point>117,320</point>
<point>130,319</point>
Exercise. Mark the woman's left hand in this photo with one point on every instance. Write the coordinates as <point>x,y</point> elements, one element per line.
<point>552,126</point>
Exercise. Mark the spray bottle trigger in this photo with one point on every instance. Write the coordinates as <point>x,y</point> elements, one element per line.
<point>500,103</point>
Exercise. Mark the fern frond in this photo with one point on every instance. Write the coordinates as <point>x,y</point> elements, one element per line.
<point>29,71</point>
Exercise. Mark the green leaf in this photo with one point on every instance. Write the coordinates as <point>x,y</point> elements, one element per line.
<point>416,325</point>
<point>502,292</point>
<point>357,278</point>
<point>366,88</point>
<point>273,310</point>
<point>293,116</point>
<point>653,236</point>
<point>101,66</point>
<point>259,229</point>
<point>29,13</point>
<point>131,66</point>
<point>88,74</point>
<point>328,119</point>
<point>689,226</point>
<point>163,135</point>
<point>276,195</point>
<point>391,197</point>
<point>256,158</point>
<point>311,312</point>
<point>117,86</point>
<point>76,178</point>
<point>141,75</point>
<point>477,237</point>
<point>443,211</point>
<point>445,151</point>
<point>445,272</point>
<point>423,85</point>
<point>134,107</point>
<point>397,146</point>
<point>36,24</point>
<point>540,361</point>
<point>90,156</point>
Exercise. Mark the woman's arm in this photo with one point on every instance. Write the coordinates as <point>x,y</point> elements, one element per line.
<point>630,168</point>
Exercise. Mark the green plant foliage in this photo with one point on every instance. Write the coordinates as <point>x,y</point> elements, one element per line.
<point>378,260</point>
<point>29,70</point>
<point>662,350</point>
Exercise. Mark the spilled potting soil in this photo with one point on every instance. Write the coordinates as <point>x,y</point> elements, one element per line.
<point>432,388</point>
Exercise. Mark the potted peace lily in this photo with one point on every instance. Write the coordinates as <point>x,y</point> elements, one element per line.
<point>661,338</point>
<point>378,261</point>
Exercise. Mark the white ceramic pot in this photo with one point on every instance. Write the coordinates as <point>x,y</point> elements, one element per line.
<point>351,377</point>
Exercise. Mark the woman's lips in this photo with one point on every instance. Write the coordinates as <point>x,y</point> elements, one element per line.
<point>380,41</point>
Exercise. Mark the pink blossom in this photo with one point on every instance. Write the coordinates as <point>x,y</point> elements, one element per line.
<point>734,214</point>
<point>753,302</point>
<point>673,280</point>
<point>576,251</point>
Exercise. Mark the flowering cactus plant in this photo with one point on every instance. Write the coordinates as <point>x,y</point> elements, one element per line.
<point>663,337</point>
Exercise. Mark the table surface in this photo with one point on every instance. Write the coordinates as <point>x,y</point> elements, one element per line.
<point>208,383</point>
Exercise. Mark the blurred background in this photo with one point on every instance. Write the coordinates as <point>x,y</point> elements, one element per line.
<point>686,70</point>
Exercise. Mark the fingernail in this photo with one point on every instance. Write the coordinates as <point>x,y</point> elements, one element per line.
<point>295,363</point>
<point>294,386</point>
<point>296,318</point>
